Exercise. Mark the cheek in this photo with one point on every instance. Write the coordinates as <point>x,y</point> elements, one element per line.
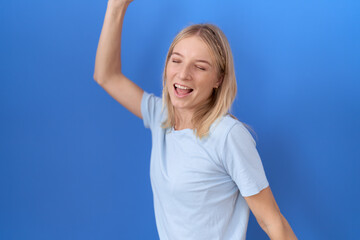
<point>170,71</point>
<point>208,83</point>
<point>167,78</point>
<point>168,84</point>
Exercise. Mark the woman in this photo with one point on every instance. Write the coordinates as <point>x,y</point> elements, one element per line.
<point>205,170</point>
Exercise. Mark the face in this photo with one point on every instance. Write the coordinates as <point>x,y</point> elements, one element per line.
<point>191,74</point>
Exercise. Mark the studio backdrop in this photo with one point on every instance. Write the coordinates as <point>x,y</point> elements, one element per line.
<point>74,163</point>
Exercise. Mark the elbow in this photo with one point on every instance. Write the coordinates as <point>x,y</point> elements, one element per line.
<point>99,78</point>
<point>278,228</point>
<point>96,78</point>
<point>100,74</point>
<point>98,81</point>
<point>271,222</point>
<point>102,78</point>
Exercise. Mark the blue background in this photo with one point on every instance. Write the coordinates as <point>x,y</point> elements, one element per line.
<point>74,164</point>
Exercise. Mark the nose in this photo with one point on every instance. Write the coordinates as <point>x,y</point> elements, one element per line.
<point>184,72</point>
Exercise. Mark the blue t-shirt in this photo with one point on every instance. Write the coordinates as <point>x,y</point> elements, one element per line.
<point>198,185</point>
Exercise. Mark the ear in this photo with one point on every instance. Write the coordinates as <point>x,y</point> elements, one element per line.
<point>219,81</point>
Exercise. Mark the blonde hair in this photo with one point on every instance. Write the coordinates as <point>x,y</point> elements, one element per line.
<point>222,97</point>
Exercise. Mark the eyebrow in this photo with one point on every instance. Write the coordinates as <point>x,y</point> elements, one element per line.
<point>197,60</point>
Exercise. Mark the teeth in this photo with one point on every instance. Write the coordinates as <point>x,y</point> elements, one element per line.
<point>181,87</point>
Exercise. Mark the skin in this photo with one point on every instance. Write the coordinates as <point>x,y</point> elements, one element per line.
<point>188,68</point>
<point>107,72</point>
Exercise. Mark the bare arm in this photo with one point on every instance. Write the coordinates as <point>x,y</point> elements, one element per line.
<point>107,72</point>
<point>269,217</point>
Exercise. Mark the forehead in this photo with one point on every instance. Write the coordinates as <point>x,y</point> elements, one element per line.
<point>193,47</point>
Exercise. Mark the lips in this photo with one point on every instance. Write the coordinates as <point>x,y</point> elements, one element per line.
<point>181,90</point>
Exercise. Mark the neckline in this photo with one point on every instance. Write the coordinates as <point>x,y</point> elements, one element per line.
<point>185,130</point>
<point>189,130</point>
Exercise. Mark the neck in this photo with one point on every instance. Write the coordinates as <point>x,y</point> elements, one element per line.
<point>183,120</point>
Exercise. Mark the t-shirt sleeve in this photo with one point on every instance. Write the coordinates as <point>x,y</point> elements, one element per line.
<point>242,161</point>
<point>151,109</point>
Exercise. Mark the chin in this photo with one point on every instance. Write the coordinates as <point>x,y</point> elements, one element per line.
<point>178,104</point>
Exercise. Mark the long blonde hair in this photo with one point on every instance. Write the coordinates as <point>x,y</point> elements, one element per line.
<point>222,97</point>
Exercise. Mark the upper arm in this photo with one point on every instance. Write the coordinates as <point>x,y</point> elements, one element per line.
<point>126,92</point>
<point>264,207</point>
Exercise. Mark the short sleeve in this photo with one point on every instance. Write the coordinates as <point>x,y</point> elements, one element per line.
<point>242,161</point>
<point>151,109</point>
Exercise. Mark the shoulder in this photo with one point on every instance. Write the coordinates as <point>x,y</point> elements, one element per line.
<point>227,131</point>
<point>231,135</point>
<point>149,99</point>
<point>227,126</point>
<point>152,110</point>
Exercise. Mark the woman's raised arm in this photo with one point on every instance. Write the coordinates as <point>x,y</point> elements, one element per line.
<point>107,72</point>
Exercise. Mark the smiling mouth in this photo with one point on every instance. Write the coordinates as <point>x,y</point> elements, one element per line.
<point>182,91</point>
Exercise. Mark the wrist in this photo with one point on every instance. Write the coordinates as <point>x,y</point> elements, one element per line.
<point>118,5</point>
